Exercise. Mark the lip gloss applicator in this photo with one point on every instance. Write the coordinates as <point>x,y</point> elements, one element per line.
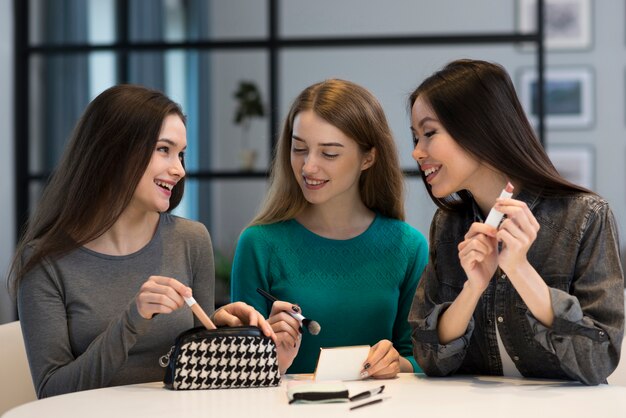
<point>199,312</point>
<point>495,216</point>
<point>313,327</point>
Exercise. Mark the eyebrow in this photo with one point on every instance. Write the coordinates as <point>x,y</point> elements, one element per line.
<point>170,142</point>
<point>323,144</point>
<point>424,120</point>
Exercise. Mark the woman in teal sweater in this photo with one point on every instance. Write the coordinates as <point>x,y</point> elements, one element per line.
<point>330,239</point>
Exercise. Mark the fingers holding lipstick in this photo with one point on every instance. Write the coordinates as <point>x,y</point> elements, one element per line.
<point>160,295</point>
<point>517,232</point>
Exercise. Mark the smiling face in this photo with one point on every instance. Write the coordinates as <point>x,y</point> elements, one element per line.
<point>448,168</point>
<point>326,163</point>
<point>165,168</point>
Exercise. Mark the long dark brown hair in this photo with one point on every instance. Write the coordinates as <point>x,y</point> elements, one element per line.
<point>108,153</point>
<point>476,103</point>
<point>357,113</point>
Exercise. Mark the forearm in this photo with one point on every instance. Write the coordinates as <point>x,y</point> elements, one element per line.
<point>454,321</point>
<point>533,291</point>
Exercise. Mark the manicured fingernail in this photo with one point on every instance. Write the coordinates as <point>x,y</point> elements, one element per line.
<point>295,308</point>
<point>301,330</point>
<point>367,366</point>
<point>364,375</point>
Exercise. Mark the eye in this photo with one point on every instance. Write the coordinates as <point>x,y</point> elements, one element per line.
<point>429,134</point>
<point>415,140</point>
<point>181,156</point>
<point>163,148</point>
<point>330,156</point>
<point>297,150</point>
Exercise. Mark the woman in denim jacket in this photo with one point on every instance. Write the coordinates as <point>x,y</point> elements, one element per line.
<point>541,295</point>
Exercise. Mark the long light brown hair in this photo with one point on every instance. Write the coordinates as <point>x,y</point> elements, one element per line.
<point>108,153</point>
<point>476,103</point>
<point>357,113</point>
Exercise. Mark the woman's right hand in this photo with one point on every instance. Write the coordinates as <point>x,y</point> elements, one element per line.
<point>288,332</point>
<point>160,295</point>
<point>478,254</point>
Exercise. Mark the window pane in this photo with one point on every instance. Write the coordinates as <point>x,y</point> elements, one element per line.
<point>61,86</point>
<point>71,21</point>
<point>303,18</point>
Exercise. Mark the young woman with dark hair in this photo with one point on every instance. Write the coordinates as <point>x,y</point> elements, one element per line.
<point>331,237</point>
<point>541,295</point>
<point>102,256</point>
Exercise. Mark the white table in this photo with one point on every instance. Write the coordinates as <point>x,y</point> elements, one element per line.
<point>410,396</point>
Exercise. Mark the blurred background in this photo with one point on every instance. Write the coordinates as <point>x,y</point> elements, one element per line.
<point>236,65</point>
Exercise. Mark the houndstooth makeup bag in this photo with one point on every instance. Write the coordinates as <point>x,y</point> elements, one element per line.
<point>229,357</point>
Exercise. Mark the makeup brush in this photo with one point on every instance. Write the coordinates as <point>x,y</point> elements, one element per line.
<point>312,326</point>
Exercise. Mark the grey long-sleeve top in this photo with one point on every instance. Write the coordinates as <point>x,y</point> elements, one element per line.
<point>576,253</point>
<point>78,314</point>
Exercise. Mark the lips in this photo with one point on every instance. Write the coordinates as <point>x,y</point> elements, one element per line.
<point>314,184</point>
<point>430,171</point>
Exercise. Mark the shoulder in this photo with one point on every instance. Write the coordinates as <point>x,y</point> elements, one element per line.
<point>183,229</point>
<point>400,230</point>
<point>268,231</point>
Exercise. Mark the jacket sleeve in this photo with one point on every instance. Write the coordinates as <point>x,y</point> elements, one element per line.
<point>434,358</point>
<point>588,326</point>
<point>54,367</point>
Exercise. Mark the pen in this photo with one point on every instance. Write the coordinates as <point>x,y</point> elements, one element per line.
<point>367,393</point>
<point>372,402</point>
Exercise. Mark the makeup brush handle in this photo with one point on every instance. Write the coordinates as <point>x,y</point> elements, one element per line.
<point>298,316</point>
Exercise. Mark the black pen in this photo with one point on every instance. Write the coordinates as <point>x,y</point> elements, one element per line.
<point>367,393</point>
<point>372,402</point>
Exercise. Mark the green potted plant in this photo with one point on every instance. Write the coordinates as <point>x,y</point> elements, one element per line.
<point>249,106</point>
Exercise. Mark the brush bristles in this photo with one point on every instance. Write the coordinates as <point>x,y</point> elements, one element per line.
<point>312,326</point>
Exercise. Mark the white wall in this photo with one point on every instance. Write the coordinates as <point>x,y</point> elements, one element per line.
<point>7,224</point>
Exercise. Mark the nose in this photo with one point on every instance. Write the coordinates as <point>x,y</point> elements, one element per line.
<point>419,151</point>
<point>177,169</point>
<point>310,164</point>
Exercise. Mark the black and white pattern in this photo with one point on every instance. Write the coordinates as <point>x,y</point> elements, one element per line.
<point>234,361</point>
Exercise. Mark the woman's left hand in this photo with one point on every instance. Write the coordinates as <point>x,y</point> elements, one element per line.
<point>383,361</point>
<point>240,313</point>
<point>517,233</point>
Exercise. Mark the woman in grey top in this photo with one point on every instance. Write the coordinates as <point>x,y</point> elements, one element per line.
<point>102,256</point>
<point>542,293</point>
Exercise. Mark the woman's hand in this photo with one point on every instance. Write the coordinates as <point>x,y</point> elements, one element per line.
<point>288,332</point>
<point>383,361</point>
<point>478,254</point>
<point>160,295</point>
<point>240,313</point>
<point>517,232</point>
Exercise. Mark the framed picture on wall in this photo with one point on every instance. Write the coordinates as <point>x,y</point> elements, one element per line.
<point>574,162</point>
<point>568,96</point>
<point>567,23</point>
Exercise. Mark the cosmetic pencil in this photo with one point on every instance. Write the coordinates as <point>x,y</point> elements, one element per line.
<point>199,312</point>
<point>495,216</point>
<point>312,326</point>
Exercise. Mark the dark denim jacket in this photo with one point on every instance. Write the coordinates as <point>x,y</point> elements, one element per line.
<point>576,253</point>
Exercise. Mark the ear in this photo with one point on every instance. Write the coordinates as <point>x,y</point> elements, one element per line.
<point>368,159</point>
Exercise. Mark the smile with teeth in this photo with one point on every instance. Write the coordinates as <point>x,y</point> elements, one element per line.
<point>165,185</point>
<point>314,182</point>
<point>431,170</point>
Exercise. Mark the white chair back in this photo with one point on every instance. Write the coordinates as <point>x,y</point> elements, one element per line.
<point>16,384</point>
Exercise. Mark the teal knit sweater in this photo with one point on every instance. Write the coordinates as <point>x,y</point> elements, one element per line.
<point>359,290</point>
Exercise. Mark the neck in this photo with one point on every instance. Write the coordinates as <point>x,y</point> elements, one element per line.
<point>337,221</point>
<point>489,190</point>
<point>130,233</point>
